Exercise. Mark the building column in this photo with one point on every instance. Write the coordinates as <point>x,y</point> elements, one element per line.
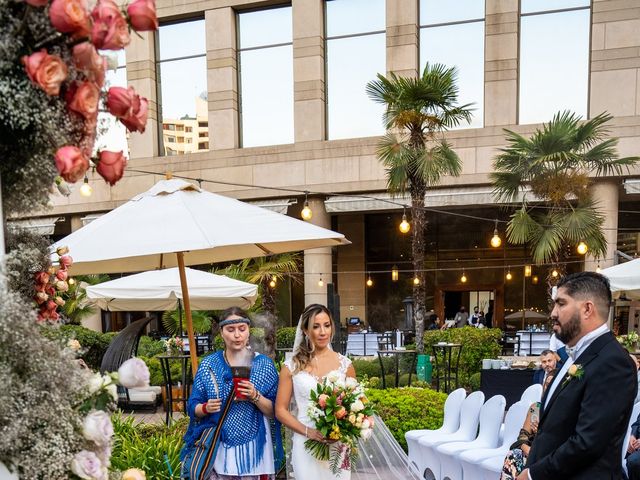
<point>351,258</point>
<point>141,75</point>
<point>222,79</point>
<point>501,63</point>
<point>308,70</point>
<point>606,195</point>
<point>402,21</point>
<point>317,261</point>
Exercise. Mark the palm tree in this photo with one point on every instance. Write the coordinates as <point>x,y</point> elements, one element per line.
<point>77,307</point>
<point>414,151</point>
<point>173,323</point>
<point>556,163</point>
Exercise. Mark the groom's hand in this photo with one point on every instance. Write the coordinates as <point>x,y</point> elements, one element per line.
<point>524,475</point>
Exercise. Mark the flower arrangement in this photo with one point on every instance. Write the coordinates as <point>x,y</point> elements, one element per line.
<point>341,412</point>
<point>174,345</point>
<point>51,76</point>
<point>630,340</point>
<point>49,285</point>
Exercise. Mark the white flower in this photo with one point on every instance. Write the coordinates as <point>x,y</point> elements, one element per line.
<point>87,465</point>
<point>95,383</point>
<point>340,383</point>
<point>133,374</point>
<point>113,391</point>
<point>357,406</point>
<point>351,382</point>
<point>73,345</point>
<point>366,433</point>
<point>97,428</point>
<point>134,474</point>
<point>352,419</point>
<point>365,424</point>
<point>333,376</point>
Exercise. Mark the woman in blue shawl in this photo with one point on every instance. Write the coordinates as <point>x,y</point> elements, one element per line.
<point>246,447</point>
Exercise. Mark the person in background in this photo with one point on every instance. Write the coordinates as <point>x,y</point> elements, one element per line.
<point>461,317</point>
<point>556,345</point>
<point>637,363</point>
<point>633,451</point>
<point>434,322</point>
<point>482,321</point>
<point>548,363</point>
<point>474,318</point>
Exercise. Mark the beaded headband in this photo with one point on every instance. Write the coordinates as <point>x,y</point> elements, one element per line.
<point>230,321</point>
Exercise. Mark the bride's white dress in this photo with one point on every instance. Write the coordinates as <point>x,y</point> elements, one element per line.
<point>305,465</point>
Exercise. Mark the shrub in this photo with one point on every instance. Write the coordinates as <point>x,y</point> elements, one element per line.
<point>474,382</point>
<point>285,337</point>
<point>371,368</point>
<point>404,409</point>
<point>93,343</point>
<point>477,343</point>
<point>148,347</point>
<point>155,371</point>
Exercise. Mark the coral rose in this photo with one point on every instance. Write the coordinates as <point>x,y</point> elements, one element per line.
<point>70,16</point>
<point>122,101</point>
<point>322,400</point>
<point>134,474</point>
<point>62,274</point>
<point>42,277</point>
<point>111,166</point>
<point>83,98</point>
<point>87,59</point>
<point>71,163</point>
<point>137,121</point>
<point>340,413</point>
<point>46,71</point>
<point>110,30</point>
<point>142,15</point>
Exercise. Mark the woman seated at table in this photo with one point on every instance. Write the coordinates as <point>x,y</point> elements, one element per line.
<point>517,455</point>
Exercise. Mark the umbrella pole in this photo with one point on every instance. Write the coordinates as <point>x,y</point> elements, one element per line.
<point>187,311</point>
<point>180,316</point>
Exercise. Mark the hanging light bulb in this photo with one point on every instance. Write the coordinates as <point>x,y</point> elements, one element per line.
<point>369,281</point>
<point>86,190</point>
<point>527,270</point>
<point>554,273</point>
<point>463,278</point>
<point>582,248</point>
<point>496,241</point>
<point>508,276</point>
<point>394,273</point>
<point>598,269</point>
<point>272,283</point>
<point>416,280</point>
<point>320,282</point>
<point>306,212</point>
<point>405,226</point>
<point>534,279</point>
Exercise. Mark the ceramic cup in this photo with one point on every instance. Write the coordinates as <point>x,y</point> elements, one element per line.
<point>486,364</point>
<point>496,364</point>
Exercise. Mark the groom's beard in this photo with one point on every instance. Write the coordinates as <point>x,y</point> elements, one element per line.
<point>570,330</point>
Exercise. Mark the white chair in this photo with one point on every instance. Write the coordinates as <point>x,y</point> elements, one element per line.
<point>450,424</point>
<point>634,415</point>
<point>532,394</point>
<point>470,461</point>
<point>427,459</point>
<point>491,415</point>
<point>491,468</point>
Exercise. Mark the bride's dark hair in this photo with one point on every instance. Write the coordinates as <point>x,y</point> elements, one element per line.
<point>303,356</point>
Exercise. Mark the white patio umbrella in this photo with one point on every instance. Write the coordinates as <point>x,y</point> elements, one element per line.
<point>624,278</point>
<point>161,290</point>
<point>175,223</point>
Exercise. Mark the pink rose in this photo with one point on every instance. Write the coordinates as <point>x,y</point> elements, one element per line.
<point>66,260</point>
<point>97,427</point>
<point>62,274</point>
<point>137,121</point>
<point>37,3</point>
<point>51,305</point>
<point>70,16</point>
<point>142,15</point>
<point>86,464</point>
<point>340,413</point>
<point>110,30</point>
<point>111,166</point>
<point>87,59</point>
<point>83,98</point>
<point>40,287</point>
<point>122,101</point>
<point>54,316</point>
<point>46,71</point>
<point>322,400</point>
<point>42,277</point>
<point>71,163</point>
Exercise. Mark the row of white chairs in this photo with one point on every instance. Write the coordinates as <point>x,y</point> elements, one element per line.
<point>473,440</point>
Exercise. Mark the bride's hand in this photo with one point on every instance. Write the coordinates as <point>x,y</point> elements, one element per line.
<point>313,434</point>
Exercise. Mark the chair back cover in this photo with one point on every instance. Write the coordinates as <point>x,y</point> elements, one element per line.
<point>491,415</point>
<point>452,410</point>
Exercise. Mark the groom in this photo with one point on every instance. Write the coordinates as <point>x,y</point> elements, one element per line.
<point>586,410</point>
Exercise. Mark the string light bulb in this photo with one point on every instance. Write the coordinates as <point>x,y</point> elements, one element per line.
<point>534,279</point>
<point>582,248</point>
<point>272,283</point>
<point>86,190</point>
<point>554,273</point>
<point>369,281</point>
<point>463,278</point>
<point>496,241</point>
<point>508,276</point>
<point>527,270</point>
<point>405,226</point>
<point>306,212</point>
<point>598,269</point>
<point>320,282</point>
<point>416,280</point>
<point>394,273</point>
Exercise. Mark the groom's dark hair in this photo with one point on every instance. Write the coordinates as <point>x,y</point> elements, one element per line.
<point>589,286</point>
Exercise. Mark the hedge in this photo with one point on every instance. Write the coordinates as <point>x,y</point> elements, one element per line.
<point>93,344</point>
<point>285,337</point>
<point>477,343</point>
<point>404,409</point>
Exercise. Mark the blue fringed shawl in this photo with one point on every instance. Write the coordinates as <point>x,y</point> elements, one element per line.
<point>244,428</point>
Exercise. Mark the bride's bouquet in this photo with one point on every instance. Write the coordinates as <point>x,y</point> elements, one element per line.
<point>341,412</point>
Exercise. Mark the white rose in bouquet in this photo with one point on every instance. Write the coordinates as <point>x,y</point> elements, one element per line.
<point>113,391</point>
<point>366,433</point>
<point>133,374</point>
<point>365,424</point>
<point>87,465</point>
<point>95,383</point>
<point>333,376</point>
<point>357,406</point>
<point>351,382</point>
<point>97,428</point>
<point>134,474</point>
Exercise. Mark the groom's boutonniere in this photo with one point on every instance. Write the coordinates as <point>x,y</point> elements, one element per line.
<point>575,371</point>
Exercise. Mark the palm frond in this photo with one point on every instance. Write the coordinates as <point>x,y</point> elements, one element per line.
<point>522,227</point>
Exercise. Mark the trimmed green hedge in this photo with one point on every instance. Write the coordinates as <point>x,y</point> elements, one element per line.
<point>148,347</point>
<point>93,343</point>
<point>404,409</point>
<point>285,337</point>
<point>477,343</point>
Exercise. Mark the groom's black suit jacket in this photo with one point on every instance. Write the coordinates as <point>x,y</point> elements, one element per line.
<point>581,430</point>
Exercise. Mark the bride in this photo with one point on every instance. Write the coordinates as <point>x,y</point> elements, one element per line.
<point>312,360</point>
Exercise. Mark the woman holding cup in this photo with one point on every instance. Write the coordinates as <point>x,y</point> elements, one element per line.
<point>246,446</point>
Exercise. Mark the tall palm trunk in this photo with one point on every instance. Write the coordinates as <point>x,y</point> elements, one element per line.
<point>271,315</point>
<point>418,216</point>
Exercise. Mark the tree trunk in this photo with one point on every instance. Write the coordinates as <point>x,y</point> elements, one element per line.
<point>418,215</point>
<point>270,310</point>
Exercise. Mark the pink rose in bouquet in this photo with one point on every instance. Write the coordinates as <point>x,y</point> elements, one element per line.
<point>142,15</point>
<point>66,260</point>
<point>137,120</point>
<point>70,16</point>
<point>110,30</point>
<point>46,71</point>
<point>87,59</point>
<point>83,98</point>
<point>111,166</point>
<point>71,163</point>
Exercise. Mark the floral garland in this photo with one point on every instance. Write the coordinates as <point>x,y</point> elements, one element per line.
<point>51,76</point>
<point>50,284</point>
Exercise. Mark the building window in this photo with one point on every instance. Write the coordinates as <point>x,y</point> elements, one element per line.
<point>182,70</point>
<point>188,129</point>
<point>554,58</point>
<point>170,139</point>
<point>203,146</point>
<point>112,135</point>
<point>265,63</point>
<point>452,33</point>
<point>356,52</point>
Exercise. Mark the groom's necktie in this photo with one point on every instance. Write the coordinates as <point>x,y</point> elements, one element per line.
<point>571,351</point>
